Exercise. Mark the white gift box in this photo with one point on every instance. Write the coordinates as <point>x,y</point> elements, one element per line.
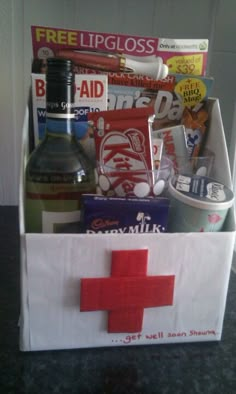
<point>74,296</point>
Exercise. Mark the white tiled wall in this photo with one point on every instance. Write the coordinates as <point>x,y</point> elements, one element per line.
<point>213,19</point>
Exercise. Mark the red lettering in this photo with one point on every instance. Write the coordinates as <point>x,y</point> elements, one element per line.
<point>102,223</point>
<point>170,148</point>
<point>84,89</point>
<point>126,184</point>
<point>91,89</point>
<point>121,149</point>
<point>158,335</point>
<point>167,136</point>
<point>130,338</point>
<point>40,87</point>
<point>98,89</point>
<point>122,163</point>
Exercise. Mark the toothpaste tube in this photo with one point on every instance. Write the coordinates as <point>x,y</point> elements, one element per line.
<point>124,215</point>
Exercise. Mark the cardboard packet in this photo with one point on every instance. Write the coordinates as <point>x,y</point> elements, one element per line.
<point>174,142</point>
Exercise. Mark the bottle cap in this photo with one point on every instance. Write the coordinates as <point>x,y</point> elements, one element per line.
<point>59,70</point>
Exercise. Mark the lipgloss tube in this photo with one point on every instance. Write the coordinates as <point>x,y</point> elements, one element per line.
<point>116,63</point>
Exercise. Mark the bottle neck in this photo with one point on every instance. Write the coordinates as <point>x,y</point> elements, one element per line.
<point>59,108</point>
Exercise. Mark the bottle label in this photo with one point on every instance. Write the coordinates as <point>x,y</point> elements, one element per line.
<point>60,101</point>
<point>54,207</point>
<point>54,191</point>
<point>60,222</point>
<point>60,110</point>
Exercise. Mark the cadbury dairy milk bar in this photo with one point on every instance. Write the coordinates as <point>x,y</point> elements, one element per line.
<point>101,214</point>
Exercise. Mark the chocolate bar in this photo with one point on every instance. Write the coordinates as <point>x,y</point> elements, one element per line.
<point>102,214</point>
<point>124,148</point>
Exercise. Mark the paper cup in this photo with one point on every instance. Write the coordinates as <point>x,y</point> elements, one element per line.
<point>198,204</point>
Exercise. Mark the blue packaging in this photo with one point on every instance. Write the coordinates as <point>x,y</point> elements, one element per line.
<point>119,215</point>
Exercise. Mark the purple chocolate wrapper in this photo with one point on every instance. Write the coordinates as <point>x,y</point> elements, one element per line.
<point>120,215</point>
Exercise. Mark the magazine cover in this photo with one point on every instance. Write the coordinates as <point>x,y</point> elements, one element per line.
<point>173,99</point>
<point>90,96</point>
<point>168,74</point>
<point>114,53</point>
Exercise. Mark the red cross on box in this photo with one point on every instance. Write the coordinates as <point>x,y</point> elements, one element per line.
<point>127,292</point>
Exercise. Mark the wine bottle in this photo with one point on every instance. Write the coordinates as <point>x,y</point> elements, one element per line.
<point>58,171</point>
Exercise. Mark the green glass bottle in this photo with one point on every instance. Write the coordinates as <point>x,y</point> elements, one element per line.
<point>58,170</point>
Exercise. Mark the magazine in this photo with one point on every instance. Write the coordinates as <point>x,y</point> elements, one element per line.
<point>100,52</point>
<point>179,98</point>
<point>90,96</point>
<point>170,98</point>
